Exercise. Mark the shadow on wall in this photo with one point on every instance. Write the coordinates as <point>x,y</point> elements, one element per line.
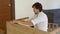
<point>53,15</point>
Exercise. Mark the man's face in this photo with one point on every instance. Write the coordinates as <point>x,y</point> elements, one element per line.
<point>36,11</point>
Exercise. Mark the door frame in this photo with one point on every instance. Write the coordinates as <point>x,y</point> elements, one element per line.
<point>13,10</point>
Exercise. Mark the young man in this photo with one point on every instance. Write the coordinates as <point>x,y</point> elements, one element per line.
<point>39,20</point>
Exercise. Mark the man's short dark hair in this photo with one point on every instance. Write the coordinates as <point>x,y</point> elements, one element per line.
<point>37,5</point>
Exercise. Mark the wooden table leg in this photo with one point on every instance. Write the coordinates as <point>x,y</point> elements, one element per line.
<point>52,27</point>
<point>48,27</point>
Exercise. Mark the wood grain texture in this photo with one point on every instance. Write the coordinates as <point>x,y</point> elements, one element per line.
<point>14,28</point>
<point>6,12</point>
<point>21,29</point>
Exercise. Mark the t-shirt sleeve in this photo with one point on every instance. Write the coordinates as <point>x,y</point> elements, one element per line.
<point>37,20</point>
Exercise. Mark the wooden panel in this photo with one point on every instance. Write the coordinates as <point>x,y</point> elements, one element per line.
<point>18,29</point>
<point>21,29</point>
<point>14,28</point>
<point>5,13</point>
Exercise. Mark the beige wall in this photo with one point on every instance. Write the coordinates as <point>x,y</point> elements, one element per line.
<point>23,7</point>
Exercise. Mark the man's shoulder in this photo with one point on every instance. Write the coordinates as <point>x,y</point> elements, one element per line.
<point>42,14</point>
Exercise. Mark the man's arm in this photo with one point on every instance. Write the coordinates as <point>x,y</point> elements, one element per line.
<point>28,22</point>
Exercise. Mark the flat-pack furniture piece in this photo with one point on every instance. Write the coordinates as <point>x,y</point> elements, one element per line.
<point>15,28</point>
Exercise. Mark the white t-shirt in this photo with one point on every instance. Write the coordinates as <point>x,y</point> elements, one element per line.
<point>41,21</point>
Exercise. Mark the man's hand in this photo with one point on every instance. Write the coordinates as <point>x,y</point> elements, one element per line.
<point>27,22</point>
